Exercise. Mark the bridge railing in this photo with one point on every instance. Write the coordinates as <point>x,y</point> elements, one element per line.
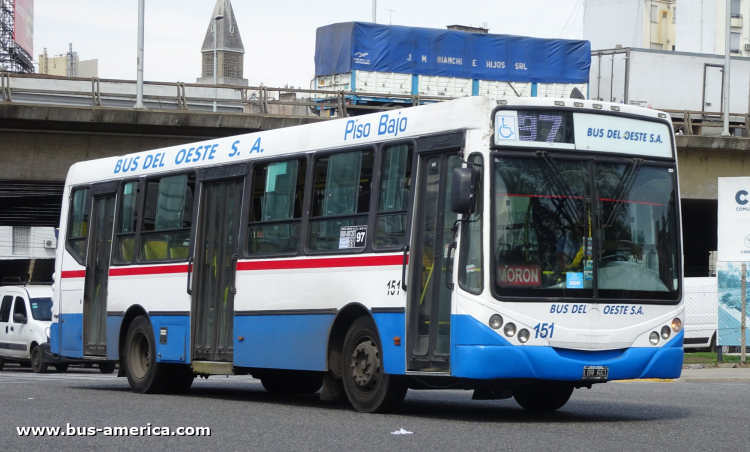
<point>98,92</point>
<point>689,122</point>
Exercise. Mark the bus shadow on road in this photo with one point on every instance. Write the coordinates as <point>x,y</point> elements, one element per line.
<point>441,405</point>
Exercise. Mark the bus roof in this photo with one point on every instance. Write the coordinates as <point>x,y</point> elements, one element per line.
<point>460,114</point>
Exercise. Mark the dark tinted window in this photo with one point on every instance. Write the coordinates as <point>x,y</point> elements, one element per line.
<point>341,192</point>
<point>5,309</point>
<point>41,308</point>
<point>78,223</point>
<point>276,209</point>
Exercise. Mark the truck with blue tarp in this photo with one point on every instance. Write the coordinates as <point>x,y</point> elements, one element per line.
<point>393,64</point>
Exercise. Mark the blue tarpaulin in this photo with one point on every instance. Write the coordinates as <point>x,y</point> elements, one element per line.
<point>341,48</point>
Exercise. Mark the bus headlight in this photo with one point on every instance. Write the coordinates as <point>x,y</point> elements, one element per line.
<point>496,321</point>
<point>523,336</point>
<point>510,329</point>
<point>676,325</point>
<point>653,338</point>
<point>665,332</point>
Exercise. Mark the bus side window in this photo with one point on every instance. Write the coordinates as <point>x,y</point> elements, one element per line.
<point>125,241</point>
<point>393,200</point>
<point>341,201</point>
<point>78,222</point>
<point>167,217</point>
<point>276,209</point>
<point>470,256</point>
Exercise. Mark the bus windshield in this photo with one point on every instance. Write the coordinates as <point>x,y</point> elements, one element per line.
<point>584,228</point>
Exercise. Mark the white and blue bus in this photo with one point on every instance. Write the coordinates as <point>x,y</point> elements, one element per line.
<point>520,248</point>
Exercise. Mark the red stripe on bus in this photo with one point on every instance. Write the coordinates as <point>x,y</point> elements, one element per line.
<point>341,262</point>
<point>73,274</point>
<point>151,270</point>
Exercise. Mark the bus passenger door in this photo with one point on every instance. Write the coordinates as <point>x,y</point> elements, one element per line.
<point>97,270</point>
<point>216,254</point>
<point>429,297</point>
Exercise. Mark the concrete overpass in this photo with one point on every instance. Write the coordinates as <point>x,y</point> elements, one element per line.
<point>38,143</point>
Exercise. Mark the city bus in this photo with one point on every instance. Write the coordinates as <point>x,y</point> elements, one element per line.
<point>520,248</point>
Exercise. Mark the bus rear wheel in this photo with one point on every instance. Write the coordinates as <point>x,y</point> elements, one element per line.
<point>368,388</point>
<point>292,383</point>
<point>107,368</point>
<point>145,375</point>
<point>542,396</point>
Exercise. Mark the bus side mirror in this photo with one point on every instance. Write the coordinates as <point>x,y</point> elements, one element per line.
<point>463,191</point>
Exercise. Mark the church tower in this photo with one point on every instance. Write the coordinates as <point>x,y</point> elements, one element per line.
<point>229,49</point>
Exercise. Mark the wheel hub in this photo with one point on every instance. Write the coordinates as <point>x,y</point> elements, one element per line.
<point>366,364</point>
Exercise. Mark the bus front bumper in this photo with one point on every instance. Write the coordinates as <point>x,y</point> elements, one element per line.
<point>488,362</point>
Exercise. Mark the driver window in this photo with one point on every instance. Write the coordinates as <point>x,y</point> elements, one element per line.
<point>20,308</point>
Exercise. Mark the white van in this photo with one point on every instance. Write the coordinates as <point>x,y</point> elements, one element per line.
<point>25,318</point>
<point>701,313</point>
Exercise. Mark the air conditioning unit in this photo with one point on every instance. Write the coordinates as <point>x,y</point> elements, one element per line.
<point>50,244</point>
<point>747,47</point>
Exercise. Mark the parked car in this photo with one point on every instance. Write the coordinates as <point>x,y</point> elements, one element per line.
<point>701,313</point>
<point>25,319</point>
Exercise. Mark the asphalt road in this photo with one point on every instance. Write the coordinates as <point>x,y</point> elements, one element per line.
<point>619,416</point>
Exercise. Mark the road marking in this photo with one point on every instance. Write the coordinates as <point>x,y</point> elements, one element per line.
<point>650,380</point>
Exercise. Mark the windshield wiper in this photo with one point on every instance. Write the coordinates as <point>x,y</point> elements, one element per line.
<point>562,187</point>
<point>626,184</point>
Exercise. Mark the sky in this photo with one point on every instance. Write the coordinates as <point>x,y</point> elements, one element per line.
<point>279,36</point>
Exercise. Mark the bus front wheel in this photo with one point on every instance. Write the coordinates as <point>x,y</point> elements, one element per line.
<point>542,396</point>
<point>145,375</point>
<point>367,386</point>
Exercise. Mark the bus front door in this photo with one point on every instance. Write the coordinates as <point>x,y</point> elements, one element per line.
<point>97,271</point>
<point>216,254</point>
<point>429,297</point>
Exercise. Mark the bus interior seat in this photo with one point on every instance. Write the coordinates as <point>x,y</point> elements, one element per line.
<point>127,247</point>
<point>155,249</point>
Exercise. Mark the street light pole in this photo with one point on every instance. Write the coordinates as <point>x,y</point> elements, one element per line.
<point>216,19</point>
<point>139,83</point>
<point>727,51</point>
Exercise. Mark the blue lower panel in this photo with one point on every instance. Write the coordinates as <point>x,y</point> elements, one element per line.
<point>113,336</point>
<point>494,360</point>
<point>391,325</point>
<point>71,335</point>
<point>282,341</point>
<point>54,338</point>
<point>177,337</point>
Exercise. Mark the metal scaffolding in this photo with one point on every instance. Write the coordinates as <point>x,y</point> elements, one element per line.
<point>12,57</point>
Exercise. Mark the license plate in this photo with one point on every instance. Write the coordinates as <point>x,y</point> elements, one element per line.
<point>595,372</point>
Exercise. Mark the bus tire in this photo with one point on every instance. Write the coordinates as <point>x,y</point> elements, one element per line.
<point>542,396</point>
<point>145,375</point>
<point>107,368</point>
<point>181,380</point>
<point>292,383</point>
<point>38,366</point>
<point>61,367</point>
<point>368,388</point>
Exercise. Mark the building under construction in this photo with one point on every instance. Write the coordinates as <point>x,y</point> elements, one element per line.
<point>16,35</point>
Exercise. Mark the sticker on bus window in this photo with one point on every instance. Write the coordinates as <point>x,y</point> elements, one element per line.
<point>519,275</point>
<point>352,237</point>
<point>574,280</point>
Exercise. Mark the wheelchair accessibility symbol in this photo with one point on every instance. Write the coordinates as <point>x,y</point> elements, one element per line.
<point>505,127</point>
